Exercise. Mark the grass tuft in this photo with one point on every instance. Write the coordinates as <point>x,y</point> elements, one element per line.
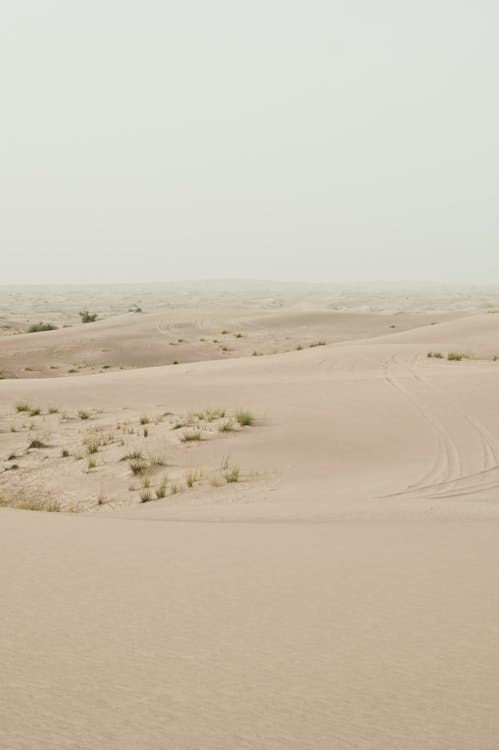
<point>40,326</point>
<point>189,437</point>
<point>245,417</point>
<point>138,468</point>
<point>37,443</point>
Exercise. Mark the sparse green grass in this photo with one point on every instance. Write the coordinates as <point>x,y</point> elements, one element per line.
<point>189,437</point>
<point>157,460</point>
<point>231,474</point>
<point>192,476</point>
<point>24,502</point>
<point>41,326</point>
<point>176,489</point>
<point>37,443</point>
<point>457,356</point>
<point>245,417</point>
<point>83,414</point>
<point>138,468</point>
<point>161,488</point>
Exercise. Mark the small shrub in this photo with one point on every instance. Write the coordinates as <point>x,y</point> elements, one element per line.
<point>144,420</point>
<point>317,343</point>
<point>64,453</point>
<point>238,335</point>
<point>245,417</point>
<point>145,432</point>
<point>457,356</point>
<point>53,410</point>
<point>226,426</point>
<point>83,414</point>
<point>87,317</point>
<point>36,327</point>
<point>34,411</point>
<point>299,348</point>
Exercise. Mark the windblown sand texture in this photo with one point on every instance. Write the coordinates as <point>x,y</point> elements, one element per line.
<point>341,594</point>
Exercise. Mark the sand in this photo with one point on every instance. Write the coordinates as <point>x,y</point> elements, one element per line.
<point>341,594</point>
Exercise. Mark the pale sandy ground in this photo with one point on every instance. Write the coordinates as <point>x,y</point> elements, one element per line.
<point>343,594</point>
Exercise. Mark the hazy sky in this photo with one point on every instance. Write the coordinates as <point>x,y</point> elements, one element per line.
<point>318,139</point>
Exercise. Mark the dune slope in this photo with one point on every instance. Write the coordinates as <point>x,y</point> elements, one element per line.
<point>343,594</point>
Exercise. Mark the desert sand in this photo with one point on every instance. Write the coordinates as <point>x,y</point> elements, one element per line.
<point>342,593</point>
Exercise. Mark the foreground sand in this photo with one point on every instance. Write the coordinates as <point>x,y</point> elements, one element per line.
<point>342,595</point>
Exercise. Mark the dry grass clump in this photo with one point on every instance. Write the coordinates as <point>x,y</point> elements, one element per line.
<point>91,463</point>
<point>22,406</point>
<point>192,476</point>
<point>146,496</point>
<point>231,474</point>
<point>161,488</point>
<point>317,343</point>
<point>226,426</point>
<point>87,317</point>
<point>53,410</point>
<point>34,411</point>
<point>245,417</point>
<point>41,326</point>
<point>37,443</point>
<point>24,502</point>
<point>434,355</point>
<point>192,436</point>
<point>138,468</point>
<point>157,460</point>
<point>92,445</point>
<point>144,420</point>
<point>83,414</point>
<point>133,456</point>
<point>457,356</point>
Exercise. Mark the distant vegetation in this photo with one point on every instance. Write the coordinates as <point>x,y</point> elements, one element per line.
<point>457,356</point>
<point>87,317</point>
<point>41,326</point>
<point>135,309</point>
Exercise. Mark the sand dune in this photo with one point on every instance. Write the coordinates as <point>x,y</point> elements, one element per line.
<point>341,594</point>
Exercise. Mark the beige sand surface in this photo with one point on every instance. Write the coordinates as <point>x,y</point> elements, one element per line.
<point>342,594</point>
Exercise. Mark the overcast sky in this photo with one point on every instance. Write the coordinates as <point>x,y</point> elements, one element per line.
<point>332,140</point>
